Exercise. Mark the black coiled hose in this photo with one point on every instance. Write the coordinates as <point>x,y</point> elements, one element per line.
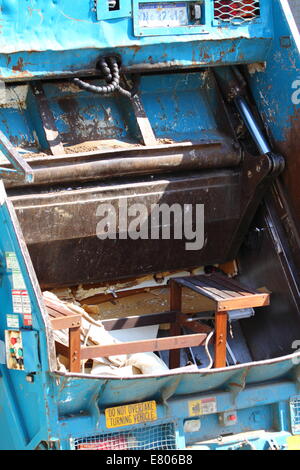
<point>111,74</point>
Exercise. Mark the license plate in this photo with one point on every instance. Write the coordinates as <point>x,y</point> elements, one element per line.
<point>127,415</point>
<point>155,15</point>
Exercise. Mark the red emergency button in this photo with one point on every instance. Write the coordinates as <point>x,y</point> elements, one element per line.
<point>232,418</point>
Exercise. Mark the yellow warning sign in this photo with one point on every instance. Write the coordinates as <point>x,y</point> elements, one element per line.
<point>293,443</point>
<point>127,415</point>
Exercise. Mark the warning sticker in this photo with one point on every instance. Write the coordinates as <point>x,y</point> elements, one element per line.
<point>17,280</point>
<point>126,415</point>
<point>17,301</point>
<point>11,261</point>
<point>26,305</point>
<point>206,406</point>
<point>27,320</point>
<point>12,321</point>
<point>21,301</point>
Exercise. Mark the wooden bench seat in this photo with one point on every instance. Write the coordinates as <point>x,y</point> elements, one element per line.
<point>226,295</point>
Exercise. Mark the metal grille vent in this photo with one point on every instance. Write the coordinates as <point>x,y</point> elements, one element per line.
<point>160,437</point>
<point>295,414</point>
<point>236,11</point>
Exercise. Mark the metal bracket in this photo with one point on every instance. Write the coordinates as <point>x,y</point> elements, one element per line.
<point>51,133</point>
<point>238,383</point>
<point>21,167</point>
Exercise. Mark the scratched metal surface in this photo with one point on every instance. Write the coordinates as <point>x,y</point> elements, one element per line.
<point>180,107</point>
<point>41,38</point>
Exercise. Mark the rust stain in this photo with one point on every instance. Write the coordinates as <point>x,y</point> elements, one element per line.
<point>19,66</point>
<point>135,48</point>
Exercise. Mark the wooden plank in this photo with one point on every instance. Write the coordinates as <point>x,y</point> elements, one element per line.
<point>60,308</point>
<point>138,320</point>
<point>217,289</point>
<point>230,268</point>
<point>175,296</point>
<point>243,299</point>
<point>65,322</point>
<point>195,288</point>
<point>53,313</point>
<point>61,349</point>
<point>74,349</point>
<point>49,126</point>
<point>158,344</point>
<point>175,330</point>
<point>232,284</point>
<point>257,300</point>
<point>220,339</point>
<point>195,326</point>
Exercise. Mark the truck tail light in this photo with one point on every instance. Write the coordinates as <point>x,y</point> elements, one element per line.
<point>236,10</point>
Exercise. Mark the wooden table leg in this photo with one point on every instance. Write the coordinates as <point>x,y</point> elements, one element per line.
<point>175,306</point>
<point>74,349</point>
<point>220,339</point>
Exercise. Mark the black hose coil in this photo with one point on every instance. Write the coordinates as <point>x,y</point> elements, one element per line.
<point>111,74</point>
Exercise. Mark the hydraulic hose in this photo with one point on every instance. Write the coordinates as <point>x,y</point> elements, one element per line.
<point>111,74</point>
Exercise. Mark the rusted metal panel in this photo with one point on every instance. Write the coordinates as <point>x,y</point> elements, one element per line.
<point>50,129</point>
<point>63,256</point>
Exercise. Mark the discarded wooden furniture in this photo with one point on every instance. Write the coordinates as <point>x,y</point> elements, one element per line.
<point>61,318</point>
<point>226,295</point>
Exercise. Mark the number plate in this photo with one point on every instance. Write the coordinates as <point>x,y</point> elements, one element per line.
<point>155,15</point>
<point>128,415</point>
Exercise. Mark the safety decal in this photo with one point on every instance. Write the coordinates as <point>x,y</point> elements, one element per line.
<point>206,406</point>
<point>26,305</point>
<point>13,265</point>
<point>17,280</point>
<point>11,261</point>
<point>17,301</point>
<point>27,320</point>
<point>21,301</point>
<point>12,321</point>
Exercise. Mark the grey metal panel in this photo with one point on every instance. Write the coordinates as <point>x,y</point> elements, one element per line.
<point>295,6</point>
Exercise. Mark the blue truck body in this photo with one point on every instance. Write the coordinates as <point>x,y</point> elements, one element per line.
<point>52,42</point>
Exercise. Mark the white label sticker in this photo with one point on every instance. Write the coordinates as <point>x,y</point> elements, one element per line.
<point>17,301</point>
<point>21,301</point>
<point>11,261</point>
<point>17,280</point>
<point>26,305</point>
<point>12,321</point>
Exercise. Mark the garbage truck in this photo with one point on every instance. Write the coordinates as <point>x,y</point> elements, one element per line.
<point>150,222</point>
